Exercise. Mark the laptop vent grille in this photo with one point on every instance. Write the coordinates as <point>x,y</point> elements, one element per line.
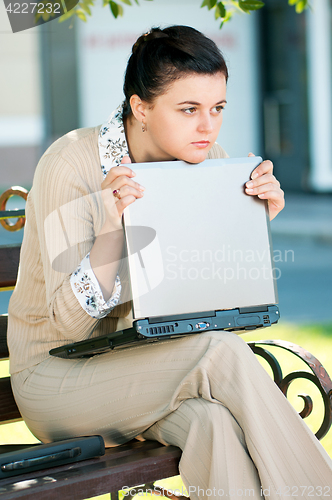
<point>158,330</point>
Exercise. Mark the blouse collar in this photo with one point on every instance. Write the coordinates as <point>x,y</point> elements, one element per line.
<point>112,143</point>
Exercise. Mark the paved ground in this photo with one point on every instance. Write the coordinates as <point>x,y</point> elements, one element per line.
<point>305,215</point>
<point>302,235</point>
<point>305,283</point>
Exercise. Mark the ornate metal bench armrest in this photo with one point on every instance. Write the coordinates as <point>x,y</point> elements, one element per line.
<point>6,215</point>
<point>319,377</point>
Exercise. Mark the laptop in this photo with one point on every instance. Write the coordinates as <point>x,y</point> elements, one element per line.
<point>199,255</point>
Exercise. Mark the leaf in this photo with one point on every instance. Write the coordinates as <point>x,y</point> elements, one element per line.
<point>223,22</point>
<point>86,8</point>
<point>220,8</point>
<point>117,10</point>
<point>209,4</point>
<point>300,6</point>
<point>227,18</point>
<point>127,2</point>
<point>244,9</point>
<point>248,5</point>
<point>114,8</point>
<point>80,14</point>
<point>66,16</point>
<point>85,3</point>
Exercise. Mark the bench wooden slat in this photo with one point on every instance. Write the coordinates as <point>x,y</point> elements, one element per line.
<point>8,408</point>
<point>97,476</point>
<point>4,354</point>
<point>12,214</point>
<point>9,259</point>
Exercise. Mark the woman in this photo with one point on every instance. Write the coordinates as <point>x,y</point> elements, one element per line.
<point>206,394</point>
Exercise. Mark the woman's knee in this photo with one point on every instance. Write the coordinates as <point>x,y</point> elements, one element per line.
<point>195,420</point>
<point>228,341</point>
<point>208,417</point>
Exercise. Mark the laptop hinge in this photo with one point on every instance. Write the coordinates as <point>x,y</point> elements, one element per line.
<point>163,319</point>
<point>253,309</point>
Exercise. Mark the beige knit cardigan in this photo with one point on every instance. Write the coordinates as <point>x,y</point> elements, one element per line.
<point>43,311</point>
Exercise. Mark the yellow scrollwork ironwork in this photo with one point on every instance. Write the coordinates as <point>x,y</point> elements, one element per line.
<point>13,191</point>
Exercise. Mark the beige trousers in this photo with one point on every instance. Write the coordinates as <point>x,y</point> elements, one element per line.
<point>205,393</point>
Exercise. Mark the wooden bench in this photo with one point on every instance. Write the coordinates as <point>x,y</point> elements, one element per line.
<point>135,463</point>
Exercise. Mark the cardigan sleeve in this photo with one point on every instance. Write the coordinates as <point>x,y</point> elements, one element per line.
<point>67,211</point>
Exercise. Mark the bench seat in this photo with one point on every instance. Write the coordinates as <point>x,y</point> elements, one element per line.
<point>134,463</point>
<point>127,465</point>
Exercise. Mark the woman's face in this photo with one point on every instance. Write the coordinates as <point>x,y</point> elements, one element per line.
<point>184,122</point>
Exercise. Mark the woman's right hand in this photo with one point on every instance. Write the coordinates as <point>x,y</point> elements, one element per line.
<point>106,252</point>
<point>120,178</point>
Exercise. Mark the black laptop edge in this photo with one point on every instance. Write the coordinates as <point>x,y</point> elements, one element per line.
<point>160,328</point>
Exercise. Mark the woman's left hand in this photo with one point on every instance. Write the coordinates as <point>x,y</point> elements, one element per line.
<point>264,185</point>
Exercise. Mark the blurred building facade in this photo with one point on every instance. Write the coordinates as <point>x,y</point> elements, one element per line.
<point>55,78</point>
<point>296,79</point>
<point>21,127</point>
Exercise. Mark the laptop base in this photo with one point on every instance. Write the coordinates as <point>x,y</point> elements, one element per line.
<point>159,328</point>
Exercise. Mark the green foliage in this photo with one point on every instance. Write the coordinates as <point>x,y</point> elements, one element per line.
<point>81,10</point>
<point>300,5</point>
<point>220,10</point>
<point>223,10</point>
<point>116,9</point>
<point>209,4</point>
<point>248,5</point>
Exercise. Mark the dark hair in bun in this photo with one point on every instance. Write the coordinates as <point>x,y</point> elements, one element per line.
<point>162,56</point>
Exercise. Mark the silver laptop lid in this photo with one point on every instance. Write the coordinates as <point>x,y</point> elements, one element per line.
<point>196,241</point>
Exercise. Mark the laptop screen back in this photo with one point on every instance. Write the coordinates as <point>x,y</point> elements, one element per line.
<point>195,241</point>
